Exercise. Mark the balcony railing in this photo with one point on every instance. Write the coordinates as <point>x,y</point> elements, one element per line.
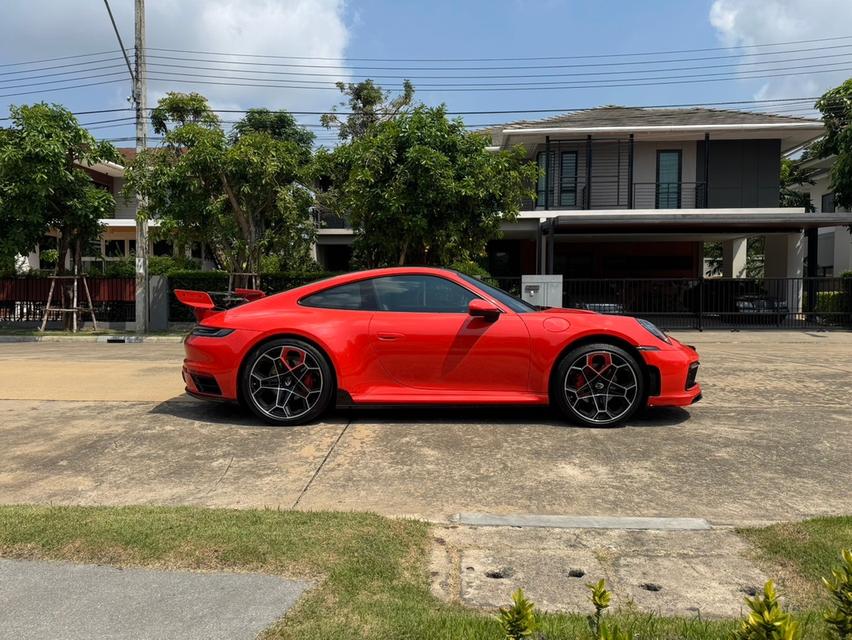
<point>669,195</point>
<point>610,193</point>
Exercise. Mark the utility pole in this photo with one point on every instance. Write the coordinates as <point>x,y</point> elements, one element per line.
<point>140,94</point>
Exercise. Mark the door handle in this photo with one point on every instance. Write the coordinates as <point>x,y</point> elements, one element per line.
<point>389,337</point>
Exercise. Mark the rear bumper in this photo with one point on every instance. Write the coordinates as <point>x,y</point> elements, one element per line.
<point>211,366</point>
<point>678,366</point>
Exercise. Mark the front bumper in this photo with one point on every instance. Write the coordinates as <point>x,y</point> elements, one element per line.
<point>677,366</point>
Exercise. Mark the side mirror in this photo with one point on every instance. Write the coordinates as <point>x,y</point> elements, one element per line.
<point>480,308</point>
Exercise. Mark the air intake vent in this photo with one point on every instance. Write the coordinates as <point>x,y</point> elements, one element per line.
<point>207,384</point>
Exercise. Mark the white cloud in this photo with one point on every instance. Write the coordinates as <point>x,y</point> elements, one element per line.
<point>748,22</point>
<point>38,29</point>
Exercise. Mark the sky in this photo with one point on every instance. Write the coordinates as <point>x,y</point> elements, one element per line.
<point>302,46</point>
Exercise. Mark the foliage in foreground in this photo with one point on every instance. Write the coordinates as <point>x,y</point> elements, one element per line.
<point>518,621</point>
<point>839,585</point>
<point>767,619</point>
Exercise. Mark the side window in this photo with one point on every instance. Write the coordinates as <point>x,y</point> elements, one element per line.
<point>356,296</point>
<point>421,294</point>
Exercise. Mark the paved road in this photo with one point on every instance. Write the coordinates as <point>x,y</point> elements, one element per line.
<point>70,601</point>
<point>107,424</point>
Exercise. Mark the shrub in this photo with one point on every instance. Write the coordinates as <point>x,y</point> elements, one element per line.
<point>839,619</point>
<point>830,302</point>
<point>601,629</point>
<point>519,620</point>
<point>470,268</point>
<point>166,265</point>
<point>767,620</point>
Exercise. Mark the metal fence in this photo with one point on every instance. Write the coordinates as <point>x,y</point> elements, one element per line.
<point>708,303</point>
<point>23,299</point>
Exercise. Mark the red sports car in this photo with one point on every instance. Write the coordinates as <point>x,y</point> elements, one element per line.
<point>424,336</point>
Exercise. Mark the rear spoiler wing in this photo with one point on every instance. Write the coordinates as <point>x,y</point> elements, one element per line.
<point>203,305</point>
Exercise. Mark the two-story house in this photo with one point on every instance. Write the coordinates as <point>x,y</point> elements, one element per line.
<point>632,192</point>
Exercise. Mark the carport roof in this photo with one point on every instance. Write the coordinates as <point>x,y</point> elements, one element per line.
<point>694,220</point>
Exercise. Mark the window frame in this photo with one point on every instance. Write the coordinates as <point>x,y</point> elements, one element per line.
<point>301,301</point>
<point>573,188</point>
<point>371,279</point>
<point>541,182</point>
<point>679,183</point>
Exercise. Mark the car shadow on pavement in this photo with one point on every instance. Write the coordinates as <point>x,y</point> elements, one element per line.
<point>231,414</point>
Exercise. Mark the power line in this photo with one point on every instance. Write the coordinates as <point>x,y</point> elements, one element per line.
<point>76,86</point>
<point>660,81</point>
<point>61,80</point>
<point>329,85</point>
<point>62,66</point>
<point>572,57</point>
<point>66,74</point>
<point>501,68</point>
<point>74,57</point>
<point>301,75</point>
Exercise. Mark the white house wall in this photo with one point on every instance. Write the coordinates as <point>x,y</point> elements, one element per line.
<point>124,209</point>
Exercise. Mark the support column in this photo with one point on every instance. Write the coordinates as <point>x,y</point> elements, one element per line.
<point>588,203</point>
<point>734,255</point>
<point>702,203</point>
<point>784,259</point>
<point>630,173</point>
<point>842,261</point>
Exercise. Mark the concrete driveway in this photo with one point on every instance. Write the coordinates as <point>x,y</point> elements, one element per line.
<point>108,424</point>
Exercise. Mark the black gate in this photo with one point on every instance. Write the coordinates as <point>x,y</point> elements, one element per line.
<point>719,303</point>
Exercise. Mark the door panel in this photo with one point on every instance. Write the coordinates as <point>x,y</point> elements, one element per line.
<point>452,351</point>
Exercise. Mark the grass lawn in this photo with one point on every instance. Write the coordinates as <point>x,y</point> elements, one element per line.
<point>800,553</point>
<point>371,573</point>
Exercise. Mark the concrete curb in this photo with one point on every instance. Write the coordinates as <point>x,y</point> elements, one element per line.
<point>116,339</point>
<point>580,522</point>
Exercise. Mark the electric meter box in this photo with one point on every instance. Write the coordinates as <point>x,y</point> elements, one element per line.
<point>542,291</point>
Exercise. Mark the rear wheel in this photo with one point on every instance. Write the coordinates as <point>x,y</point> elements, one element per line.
<point>286,382</point>
<point>598,385</point>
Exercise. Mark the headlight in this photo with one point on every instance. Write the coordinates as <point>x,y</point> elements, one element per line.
<point>651,328</point>
<point>210,332</point>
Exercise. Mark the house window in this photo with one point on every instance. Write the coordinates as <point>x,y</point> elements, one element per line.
<point>668,179</point>
<point>163,248</point>
<point>568,179</point>
<point>827,203</point>
<point>114,248</point>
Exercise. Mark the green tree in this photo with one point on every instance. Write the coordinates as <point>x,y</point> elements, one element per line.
<point>242,194</point>
<point>368,105</point>
<point>420,189</point>
<point>836,108</point>
<point>44,186</point>
<point>794,175</point>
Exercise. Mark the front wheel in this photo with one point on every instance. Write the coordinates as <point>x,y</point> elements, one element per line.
<point>286,382</point>
<point>598,385</point>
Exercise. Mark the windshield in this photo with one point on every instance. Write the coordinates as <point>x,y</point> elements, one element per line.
<point>515,304</point>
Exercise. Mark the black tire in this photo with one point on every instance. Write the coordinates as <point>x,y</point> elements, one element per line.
<point>592,402</point>
<point>305,383</point>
